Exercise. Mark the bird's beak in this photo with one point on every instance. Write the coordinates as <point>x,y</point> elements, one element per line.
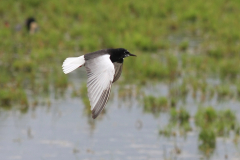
<point>132,55</point>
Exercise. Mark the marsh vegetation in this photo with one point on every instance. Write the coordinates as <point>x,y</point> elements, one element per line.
<point>190,47</point>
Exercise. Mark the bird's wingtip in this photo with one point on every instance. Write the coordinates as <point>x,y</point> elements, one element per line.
<point>94,116</point>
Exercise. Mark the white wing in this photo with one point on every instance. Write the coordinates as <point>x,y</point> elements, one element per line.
<point>100,72</point>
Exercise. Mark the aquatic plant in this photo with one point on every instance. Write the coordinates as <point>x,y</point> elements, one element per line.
<point>5,97</point>
<point>179,121</point>
<point>207,138</point>
<point>179,89</point>
<point>205,116</point>
<point>127,92</point>
<point>183,115</point>
<point>224,91</point>
<point>212,124</point>
<point>10,96</point>
<point>238,89</point>
<point>221,122</point>
<point>227,122</point>
<point>183,45</point>
<point>228,68</point>
<point>173,102</point>
<point>155,104</point>
<point>183,90</point>
<point>215,53</point>
<point>168,130</point>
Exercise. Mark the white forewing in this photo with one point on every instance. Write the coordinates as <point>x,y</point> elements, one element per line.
<point>100,71</point>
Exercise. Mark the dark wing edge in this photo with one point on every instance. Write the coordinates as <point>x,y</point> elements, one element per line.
<point>101,102</point>
<point>118,71</point>
<point>95,54</point>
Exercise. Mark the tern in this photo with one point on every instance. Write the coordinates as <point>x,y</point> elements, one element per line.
<point>103,67</point>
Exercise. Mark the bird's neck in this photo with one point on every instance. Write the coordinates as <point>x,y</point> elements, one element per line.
<point>115,55</point>
<point>115,58</point>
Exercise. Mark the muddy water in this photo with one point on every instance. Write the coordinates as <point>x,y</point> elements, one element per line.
<point>63,131</point>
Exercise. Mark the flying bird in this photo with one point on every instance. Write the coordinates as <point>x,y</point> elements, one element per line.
<point>103,67</point>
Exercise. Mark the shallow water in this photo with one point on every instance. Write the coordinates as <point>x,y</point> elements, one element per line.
<point>63,131</point>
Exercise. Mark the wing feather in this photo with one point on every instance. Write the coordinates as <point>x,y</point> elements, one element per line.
<point>102,102</point>
<point>100,72</point>
<point>118,70</point>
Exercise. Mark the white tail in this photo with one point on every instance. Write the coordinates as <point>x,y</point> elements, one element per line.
<point>72,63</point>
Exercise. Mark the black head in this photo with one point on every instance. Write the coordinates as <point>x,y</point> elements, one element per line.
<point>31,25</point>
<point>119,54</point>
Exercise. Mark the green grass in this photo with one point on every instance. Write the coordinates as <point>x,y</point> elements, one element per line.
<point>70,29</point>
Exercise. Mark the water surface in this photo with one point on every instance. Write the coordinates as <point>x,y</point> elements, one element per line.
<point>63,131</point>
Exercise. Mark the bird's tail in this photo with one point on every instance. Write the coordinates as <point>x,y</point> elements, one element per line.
<point>72,63</point>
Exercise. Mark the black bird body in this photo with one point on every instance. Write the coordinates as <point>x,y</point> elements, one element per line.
<point>103,67</point>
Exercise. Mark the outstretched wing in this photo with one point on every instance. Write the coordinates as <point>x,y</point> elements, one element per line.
<point>118,70</point>
<point>100,72</point>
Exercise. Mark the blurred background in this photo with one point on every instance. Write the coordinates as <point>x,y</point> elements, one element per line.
<point>178,99</point>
